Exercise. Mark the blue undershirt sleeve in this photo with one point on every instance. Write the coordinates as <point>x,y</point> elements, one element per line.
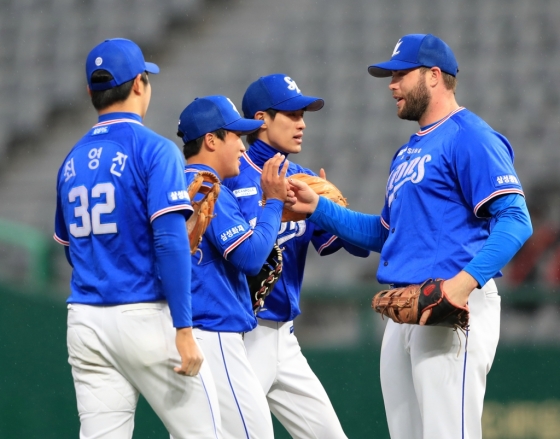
<point>251,254</point>
<point>173,261</point>
<point>511,230</point>
<point>359,229</point>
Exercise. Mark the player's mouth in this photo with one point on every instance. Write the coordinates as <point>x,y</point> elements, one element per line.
<point>298,138</point>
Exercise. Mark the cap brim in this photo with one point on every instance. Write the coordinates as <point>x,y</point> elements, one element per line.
<point>309,103</point>
<point>384,69</point>
<point>246,126</point>
<point>152,68</point>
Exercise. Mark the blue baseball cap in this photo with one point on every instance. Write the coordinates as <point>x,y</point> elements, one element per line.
<point>210,113</point>
<point>418,50</point>
<point>279,92</point>
<point>122,58</point>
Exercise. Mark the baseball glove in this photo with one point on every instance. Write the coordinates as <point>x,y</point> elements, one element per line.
<point>406,305</point>
<point>262,284</point>
<point>207,184</point>
<point>320,186</point>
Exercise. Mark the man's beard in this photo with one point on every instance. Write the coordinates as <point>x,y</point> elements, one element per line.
<point>416,102</point>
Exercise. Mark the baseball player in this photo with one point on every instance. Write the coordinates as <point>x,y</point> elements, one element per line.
<point>230,249</point>
<point>121,210</point>
<point>454,209</point>
<point>295,395</point>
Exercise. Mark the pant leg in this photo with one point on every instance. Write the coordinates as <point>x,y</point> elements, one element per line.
<point>243,406</point>
<point>297,397</point>
<point>449,369</point>
<point>262,351</point>
<point>138,342</point>
<point>106,400</point>
<point>401,405</point>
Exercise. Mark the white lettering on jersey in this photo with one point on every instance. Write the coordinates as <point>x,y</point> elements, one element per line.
<point>412,171</point>
<point>505,179</point>
<point>290,230</point>
<point>245,192</point>
<point>291,84</point>
<point>120,160</point>
<point>100,130</point>
<point>69,171</point>
<point>236,230</point>
<point>94,155</point>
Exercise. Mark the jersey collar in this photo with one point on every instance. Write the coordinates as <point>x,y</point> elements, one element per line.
<point>200,167</point>
<point>259,152</point>
<point>118,117</point>
<point>429,128</point>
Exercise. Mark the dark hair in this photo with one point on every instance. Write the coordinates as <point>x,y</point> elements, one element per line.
<point>192,147</point>
<point>449,81</point>
<point>252,137</point>
<point>105,98</point>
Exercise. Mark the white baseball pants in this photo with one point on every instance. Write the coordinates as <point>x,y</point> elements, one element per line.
<point>295,394</point>
<point>243,407</point>
<point>434,378</point>
<point>117,352</point>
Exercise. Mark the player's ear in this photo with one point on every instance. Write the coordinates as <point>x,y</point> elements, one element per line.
<point>260,115</point>
<point>210,141</point>
<point>138,85</point>
<point>88,91</point>
<point>434,76</point>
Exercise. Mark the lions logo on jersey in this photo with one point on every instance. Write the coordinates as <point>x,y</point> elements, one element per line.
<point>411,171</point>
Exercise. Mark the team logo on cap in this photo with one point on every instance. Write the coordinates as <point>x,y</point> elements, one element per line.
<point>233,105</point>
<point>396,50</point>
<point>291,84</point>
<point>98,61</point>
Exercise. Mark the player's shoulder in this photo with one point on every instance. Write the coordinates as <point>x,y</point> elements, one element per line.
<point>471,127</point>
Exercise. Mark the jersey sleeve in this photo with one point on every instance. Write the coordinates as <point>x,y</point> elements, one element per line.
<point>167,191</point>
<point>60,230</point>
<point>228,229</point>
<point>484,168</point>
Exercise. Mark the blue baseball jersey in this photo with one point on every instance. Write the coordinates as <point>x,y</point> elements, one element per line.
<point>114,182</point>
<point>282,304</point>
<point>221,300</point>
<point>438,185</point>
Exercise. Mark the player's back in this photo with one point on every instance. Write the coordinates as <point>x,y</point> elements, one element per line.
<point>111,186</point>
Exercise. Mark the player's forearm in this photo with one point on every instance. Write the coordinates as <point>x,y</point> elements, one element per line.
<point>251,254</point>
<point>173,260</point>
<point>359,229</point>
<point>513,227</point>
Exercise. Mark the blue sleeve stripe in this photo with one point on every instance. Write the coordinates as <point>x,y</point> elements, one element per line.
<point>237,243</point>
<point>170,209</point>
<point>496,194</point>
<point>61,241</point>
<point>326,244</point>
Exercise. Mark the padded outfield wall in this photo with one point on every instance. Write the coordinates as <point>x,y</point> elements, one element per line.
<point>37,396</point>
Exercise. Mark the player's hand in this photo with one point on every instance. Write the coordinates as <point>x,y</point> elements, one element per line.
<point>458,290</point>
<point>273,179</point>
<point>191,355</point>
<point>306,199</point>
<point>322,174</point>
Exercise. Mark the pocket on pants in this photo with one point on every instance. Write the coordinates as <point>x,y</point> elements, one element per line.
<point>145,333</point>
